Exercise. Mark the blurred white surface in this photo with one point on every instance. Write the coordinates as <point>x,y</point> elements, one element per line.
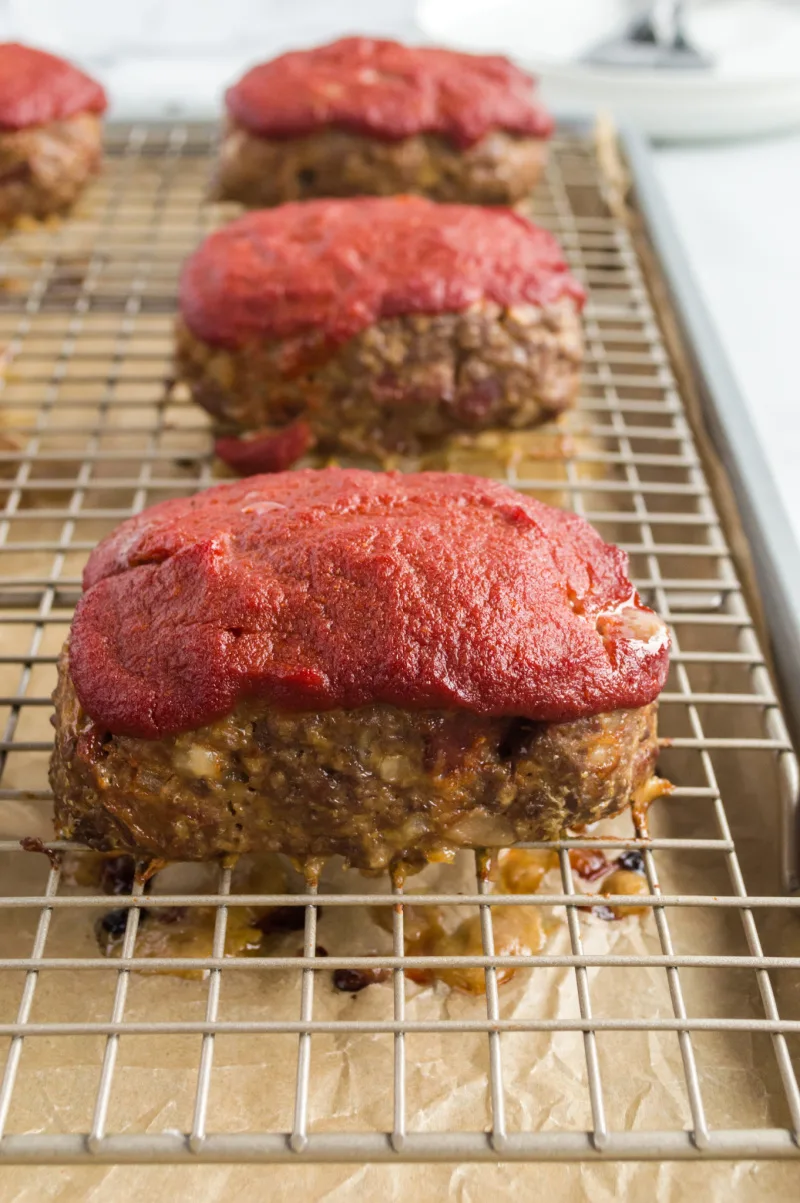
<point>179,28</point>
<point>734,205</point>
<point>753,86</point>
<point>735,208</point>
<point>176,57</point>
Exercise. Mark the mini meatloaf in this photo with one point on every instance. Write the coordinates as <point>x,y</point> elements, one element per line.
<point>50,132</point>
<point>366,117</point>
<point>385,324</point>
<point>382,666</point>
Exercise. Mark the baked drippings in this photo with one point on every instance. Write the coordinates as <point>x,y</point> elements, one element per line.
<point>32,843</point>
<point>188,931</point>
<point>643,798</point>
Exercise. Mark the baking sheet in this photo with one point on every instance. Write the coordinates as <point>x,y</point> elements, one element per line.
<point>545,1074</point>
<point>745,1182</point>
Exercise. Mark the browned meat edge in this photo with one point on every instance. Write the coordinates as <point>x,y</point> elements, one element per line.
<point>44,169</point>
<point>401,385</point>
<point>377,785</point>
<point>260,172</point>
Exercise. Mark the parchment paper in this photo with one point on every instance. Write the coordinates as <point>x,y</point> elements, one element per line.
<point>545,1074</point>
<point>350,1089</point>
<point>350,1085</point>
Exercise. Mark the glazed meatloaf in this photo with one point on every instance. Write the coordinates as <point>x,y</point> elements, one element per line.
<point>373,117</point>
<point>384,324</point>
<point>382,666</point>
<point>50,132</point>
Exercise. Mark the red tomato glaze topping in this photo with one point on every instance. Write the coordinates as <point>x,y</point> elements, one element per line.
<point>37,88</point>
<point>267,450</point>
<point>324,270</point>
<point>318,589</point>
<point>388,91</point>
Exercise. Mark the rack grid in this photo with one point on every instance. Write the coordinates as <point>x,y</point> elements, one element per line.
<point>92,431</point>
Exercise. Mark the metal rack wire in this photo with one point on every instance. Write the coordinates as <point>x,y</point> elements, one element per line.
<point>91,432</point>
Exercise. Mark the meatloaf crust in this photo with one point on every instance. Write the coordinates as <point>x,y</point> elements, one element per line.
<point>378,785</point>
<point>50,132</point>
<point>405,383</point>
<point>364,116</point>
<point>384,324</point>
<point>380,665</point>
<point>500,169</point>
<point>44,169</point>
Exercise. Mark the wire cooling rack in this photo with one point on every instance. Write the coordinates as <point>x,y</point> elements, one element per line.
<point>91,433</point>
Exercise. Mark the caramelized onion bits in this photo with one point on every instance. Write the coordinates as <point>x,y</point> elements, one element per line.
<point>517,930</point>
<point>188,931</point>
<point>179,931</point>
<point>589,863</point>
<point>623,881</point>
<point>521,870</point>
<point>353,981</point>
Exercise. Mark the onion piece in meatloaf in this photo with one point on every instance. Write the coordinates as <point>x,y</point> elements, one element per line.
<point>50,132</point>
<point>381,666</point>
<point>384,324</point>
<point>362,116</point>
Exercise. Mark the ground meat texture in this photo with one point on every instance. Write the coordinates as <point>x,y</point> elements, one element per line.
<point>43,169</point>
<point>378,785</point>
<point>50,133</point>
<point>382,322</point>
<point>404,383</point>
<point>373,117</point>
<point>257,171</point>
